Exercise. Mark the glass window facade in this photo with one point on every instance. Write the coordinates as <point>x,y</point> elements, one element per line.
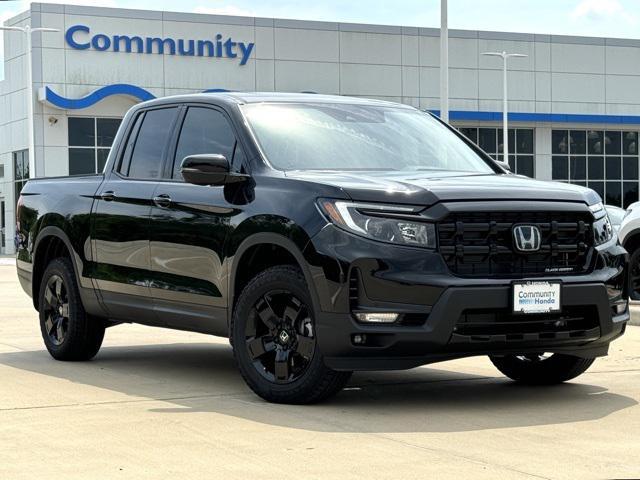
<point>521,146</point>
<point>20,171</point>
<point>90,140</point>
<point>604,160</point>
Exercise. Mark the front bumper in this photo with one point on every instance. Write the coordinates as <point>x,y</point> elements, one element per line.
<point>354,274</point>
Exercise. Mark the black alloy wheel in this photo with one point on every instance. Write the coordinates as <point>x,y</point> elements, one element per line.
<point>279,336</point>
<point>275,340</point>
<point>56,310</point>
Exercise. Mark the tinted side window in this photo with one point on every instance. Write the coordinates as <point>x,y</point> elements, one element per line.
<point>149,149</point>
<point>204,131</point>
<point>131,140</point>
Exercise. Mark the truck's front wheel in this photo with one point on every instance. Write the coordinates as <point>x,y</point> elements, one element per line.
<point>274,340</point>
<point>68,332</point>
<point>541,369</point>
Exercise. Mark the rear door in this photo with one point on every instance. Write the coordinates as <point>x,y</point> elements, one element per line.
<point>189,225</point>
<point>121,218</point>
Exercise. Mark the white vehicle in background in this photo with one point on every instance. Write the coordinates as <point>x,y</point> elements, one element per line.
<point>616,215</point>
<point>629,237</point>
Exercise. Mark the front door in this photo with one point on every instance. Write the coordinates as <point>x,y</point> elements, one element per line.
<point>189,225</point>
<point>120,226</point>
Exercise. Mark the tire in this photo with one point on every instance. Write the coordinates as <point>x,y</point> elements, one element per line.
<point>278,369</point>
<point>538,370</point>
<point>68,332</point>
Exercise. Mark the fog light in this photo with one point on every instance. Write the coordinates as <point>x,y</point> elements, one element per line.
<point>377,317</point>
<point>620,308</point>
<point>359,339</point>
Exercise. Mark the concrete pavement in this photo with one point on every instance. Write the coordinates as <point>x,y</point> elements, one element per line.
<point>162,404</point>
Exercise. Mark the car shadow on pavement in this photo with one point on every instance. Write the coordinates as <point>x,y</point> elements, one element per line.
<point>201,377</point>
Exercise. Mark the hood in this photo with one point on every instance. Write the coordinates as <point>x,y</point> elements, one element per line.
<point>427,188</point>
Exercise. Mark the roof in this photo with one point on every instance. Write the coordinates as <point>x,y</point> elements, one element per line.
<point>239,98</point>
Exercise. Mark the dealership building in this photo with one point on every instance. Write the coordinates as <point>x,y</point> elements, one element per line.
<point>574,102</point>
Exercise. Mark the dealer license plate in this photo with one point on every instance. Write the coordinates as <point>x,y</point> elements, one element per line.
<point>536,297</point>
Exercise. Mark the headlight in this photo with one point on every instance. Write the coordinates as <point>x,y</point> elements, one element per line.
<point>602,229</point>
<point>385,223</point>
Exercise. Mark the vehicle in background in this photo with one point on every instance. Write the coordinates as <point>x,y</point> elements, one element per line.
<point>616,214</point>
<point>629,237</point>
<point>322,235</point>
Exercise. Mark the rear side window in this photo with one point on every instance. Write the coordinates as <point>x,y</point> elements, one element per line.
<point>151,144</point>
<point>204,131</point>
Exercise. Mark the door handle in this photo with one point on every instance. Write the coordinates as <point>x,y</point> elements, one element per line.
<point>162,201</point>
<point>108,196</point>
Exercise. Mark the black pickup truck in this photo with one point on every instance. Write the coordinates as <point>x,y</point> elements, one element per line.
<point>322,235</point>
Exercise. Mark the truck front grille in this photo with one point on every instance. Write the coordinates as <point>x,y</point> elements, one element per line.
<point>475,244</point>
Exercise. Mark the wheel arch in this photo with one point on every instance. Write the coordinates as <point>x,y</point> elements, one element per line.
<point>632,241</point>
<point>51,243</point>
<point>260,243</point>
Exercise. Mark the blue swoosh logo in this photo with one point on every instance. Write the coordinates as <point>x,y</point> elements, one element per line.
<point>94,97</point>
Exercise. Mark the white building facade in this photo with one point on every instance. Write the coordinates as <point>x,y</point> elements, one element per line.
<point>574,101</point>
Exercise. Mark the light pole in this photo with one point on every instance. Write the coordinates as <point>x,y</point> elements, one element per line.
<point>28,31</point>
<point>444,62</point>
<point>505,130</point>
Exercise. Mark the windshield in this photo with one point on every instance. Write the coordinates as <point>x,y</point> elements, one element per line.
<point>331,136</point>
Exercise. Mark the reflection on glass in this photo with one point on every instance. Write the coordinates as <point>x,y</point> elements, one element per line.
<point>578,142</point>
<point>559,141</point>
<point>595,141</point>
<point>630,143</point>
<point>82,132</point>
<point>106,131</point>
<point>578,168</point>
<point>612,143</point>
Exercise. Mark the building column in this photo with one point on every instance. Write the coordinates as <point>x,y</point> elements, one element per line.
<point>543,153</point>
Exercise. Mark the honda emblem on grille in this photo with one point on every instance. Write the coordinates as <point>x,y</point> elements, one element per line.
<point>527,238</point>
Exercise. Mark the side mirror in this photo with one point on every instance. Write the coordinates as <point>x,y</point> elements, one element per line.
<point>504,165</point>
<point>209,169</point>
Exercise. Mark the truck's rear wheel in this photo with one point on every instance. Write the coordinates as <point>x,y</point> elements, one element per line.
<point>541,369</point>
<point>68,332</point>
<point>274,341</point>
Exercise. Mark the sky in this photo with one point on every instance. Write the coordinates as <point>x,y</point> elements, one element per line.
<point>606,18</point>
